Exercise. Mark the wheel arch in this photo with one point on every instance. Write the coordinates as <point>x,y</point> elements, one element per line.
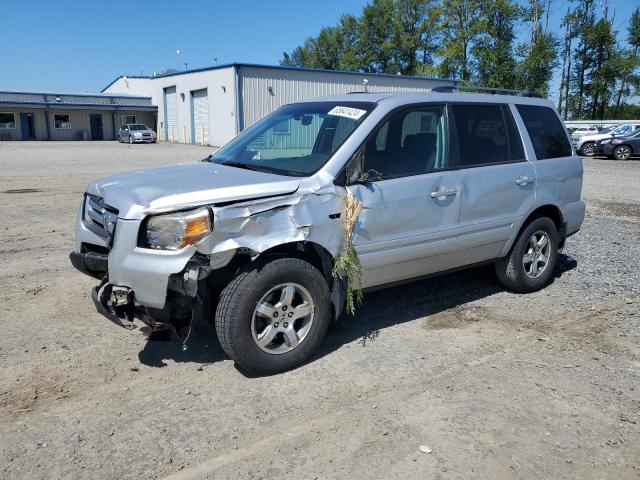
<point>547,210</point>
<point>312,252</point>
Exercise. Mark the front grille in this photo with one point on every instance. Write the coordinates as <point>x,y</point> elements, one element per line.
<point>99,217</point>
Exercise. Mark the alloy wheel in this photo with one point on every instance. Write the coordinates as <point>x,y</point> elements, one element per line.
<point>282,318</point>
<point>623,152</point>
<point>536,255</point>
<point>589,149</point>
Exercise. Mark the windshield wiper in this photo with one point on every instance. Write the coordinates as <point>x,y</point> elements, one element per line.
<point>248,166</point>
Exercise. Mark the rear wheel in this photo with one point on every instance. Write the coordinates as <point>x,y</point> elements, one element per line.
<point>623,152</point>
<point>532,259</point>
<point>588,149</point>
<point>273,316</point>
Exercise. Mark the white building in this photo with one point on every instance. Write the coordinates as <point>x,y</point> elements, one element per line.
<point>211,105</point>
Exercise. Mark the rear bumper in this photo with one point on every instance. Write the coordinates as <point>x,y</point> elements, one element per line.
<point>573,214</point>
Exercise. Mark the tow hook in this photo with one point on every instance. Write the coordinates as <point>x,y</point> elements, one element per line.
<point>121,296</point>
<point>115,303</point>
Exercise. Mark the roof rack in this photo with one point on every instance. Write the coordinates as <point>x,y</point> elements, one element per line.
<point>498,91</point>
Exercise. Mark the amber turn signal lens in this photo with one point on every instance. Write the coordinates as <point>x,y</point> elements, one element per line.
<point>195,230</point>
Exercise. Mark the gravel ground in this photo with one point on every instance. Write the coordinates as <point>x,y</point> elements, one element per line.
<point>495,384</point>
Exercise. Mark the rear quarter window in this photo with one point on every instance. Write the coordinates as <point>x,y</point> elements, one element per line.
<point>547,133</point>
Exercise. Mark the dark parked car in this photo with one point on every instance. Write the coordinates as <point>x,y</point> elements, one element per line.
<point>620,148</point>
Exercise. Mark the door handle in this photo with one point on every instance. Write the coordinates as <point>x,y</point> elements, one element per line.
<point>442,192</point>
<point>523,180</point>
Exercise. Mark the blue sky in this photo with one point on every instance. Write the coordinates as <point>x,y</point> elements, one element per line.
<point>72,45</point>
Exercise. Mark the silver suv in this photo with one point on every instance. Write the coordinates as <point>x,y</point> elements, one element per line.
<point>271,236</point>
<point>136,133</point>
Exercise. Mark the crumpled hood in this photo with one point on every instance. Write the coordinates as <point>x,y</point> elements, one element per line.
<point>162,189</point>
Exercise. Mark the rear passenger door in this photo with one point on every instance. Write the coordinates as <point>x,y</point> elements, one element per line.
<point>407,227</point>
<point>558,169</point>
<point>498,183</point>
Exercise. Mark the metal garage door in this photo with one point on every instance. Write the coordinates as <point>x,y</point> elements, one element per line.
<point>200,117</point>
<point>171,133</point>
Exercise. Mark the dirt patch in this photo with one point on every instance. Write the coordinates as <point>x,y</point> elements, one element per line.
<point>618,209</point>
<point>460,316</point>
<point>40,387</point>
<point>22,190</point>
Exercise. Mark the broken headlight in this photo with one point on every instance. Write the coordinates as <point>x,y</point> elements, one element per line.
<point>173,231</point>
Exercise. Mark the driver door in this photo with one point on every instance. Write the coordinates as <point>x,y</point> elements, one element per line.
<point>408,225</point>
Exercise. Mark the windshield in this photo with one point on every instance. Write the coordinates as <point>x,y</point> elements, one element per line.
<point>138,126</point>
<point>622,129</point>
<point>295,140</point>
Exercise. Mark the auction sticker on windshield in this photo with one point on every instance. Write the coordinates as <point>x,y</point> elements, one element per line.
<point>347,112</point>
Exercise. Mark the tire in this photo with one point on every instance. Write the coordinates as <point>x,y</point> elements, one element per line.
<point>515,273</point>
<point>588,149</point>
<point>239,324</point>
<point>130,140</point>
<point>622,152</point>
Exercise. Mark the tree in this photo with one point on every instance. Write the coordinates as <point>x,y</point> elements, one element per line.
<point>334,48</point>
<point>494,61</point>
<point>460,27</point>
<point>569,22</point>
<point>630,61</point>
<point>585,19</point>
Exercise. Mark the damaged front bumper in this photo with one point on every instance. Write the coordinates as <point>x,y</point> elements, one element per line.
<point>112,305</point>
<point>184,294</point>
<point>155,286</point>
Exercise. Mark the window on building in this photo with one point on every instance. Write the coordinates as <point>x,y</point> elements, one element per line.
<point>7,120</point>
<point>547,134</point>
<point>126,119</point>
<point>486,135</point>
<point>411,142</point>
<point>61,121</point>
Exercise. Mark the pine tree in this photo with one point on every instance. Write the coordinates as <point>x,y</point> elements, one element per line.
<point>538,58</point>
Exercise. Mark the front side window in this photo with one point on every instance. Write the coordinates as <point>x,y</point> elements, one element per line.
<point>7,120</point>
<point>410,142</point>
<point>61,121</point>
<point>546,131</point>
<point>295,140</point>
<point>486,135</point>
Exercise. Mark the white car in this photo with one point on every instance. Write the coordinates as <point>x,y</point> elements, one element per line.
<point>586,145</point>
<point>582,131</point>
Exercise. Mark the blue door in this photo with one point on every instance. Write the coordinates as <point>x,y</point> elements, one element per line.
<point>28,126</point>
<point>96,127</point>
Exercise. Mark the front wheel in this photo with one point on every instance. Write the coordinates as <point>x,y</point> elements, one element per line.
<point>622,152</point>
<point>272,316</point>
<point>588,149</point>
<point>532,259</point>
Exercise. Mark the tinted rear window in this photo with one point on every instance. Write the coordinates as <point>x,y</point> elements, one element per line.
<point>486,135</point>
<point>547,134</point>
